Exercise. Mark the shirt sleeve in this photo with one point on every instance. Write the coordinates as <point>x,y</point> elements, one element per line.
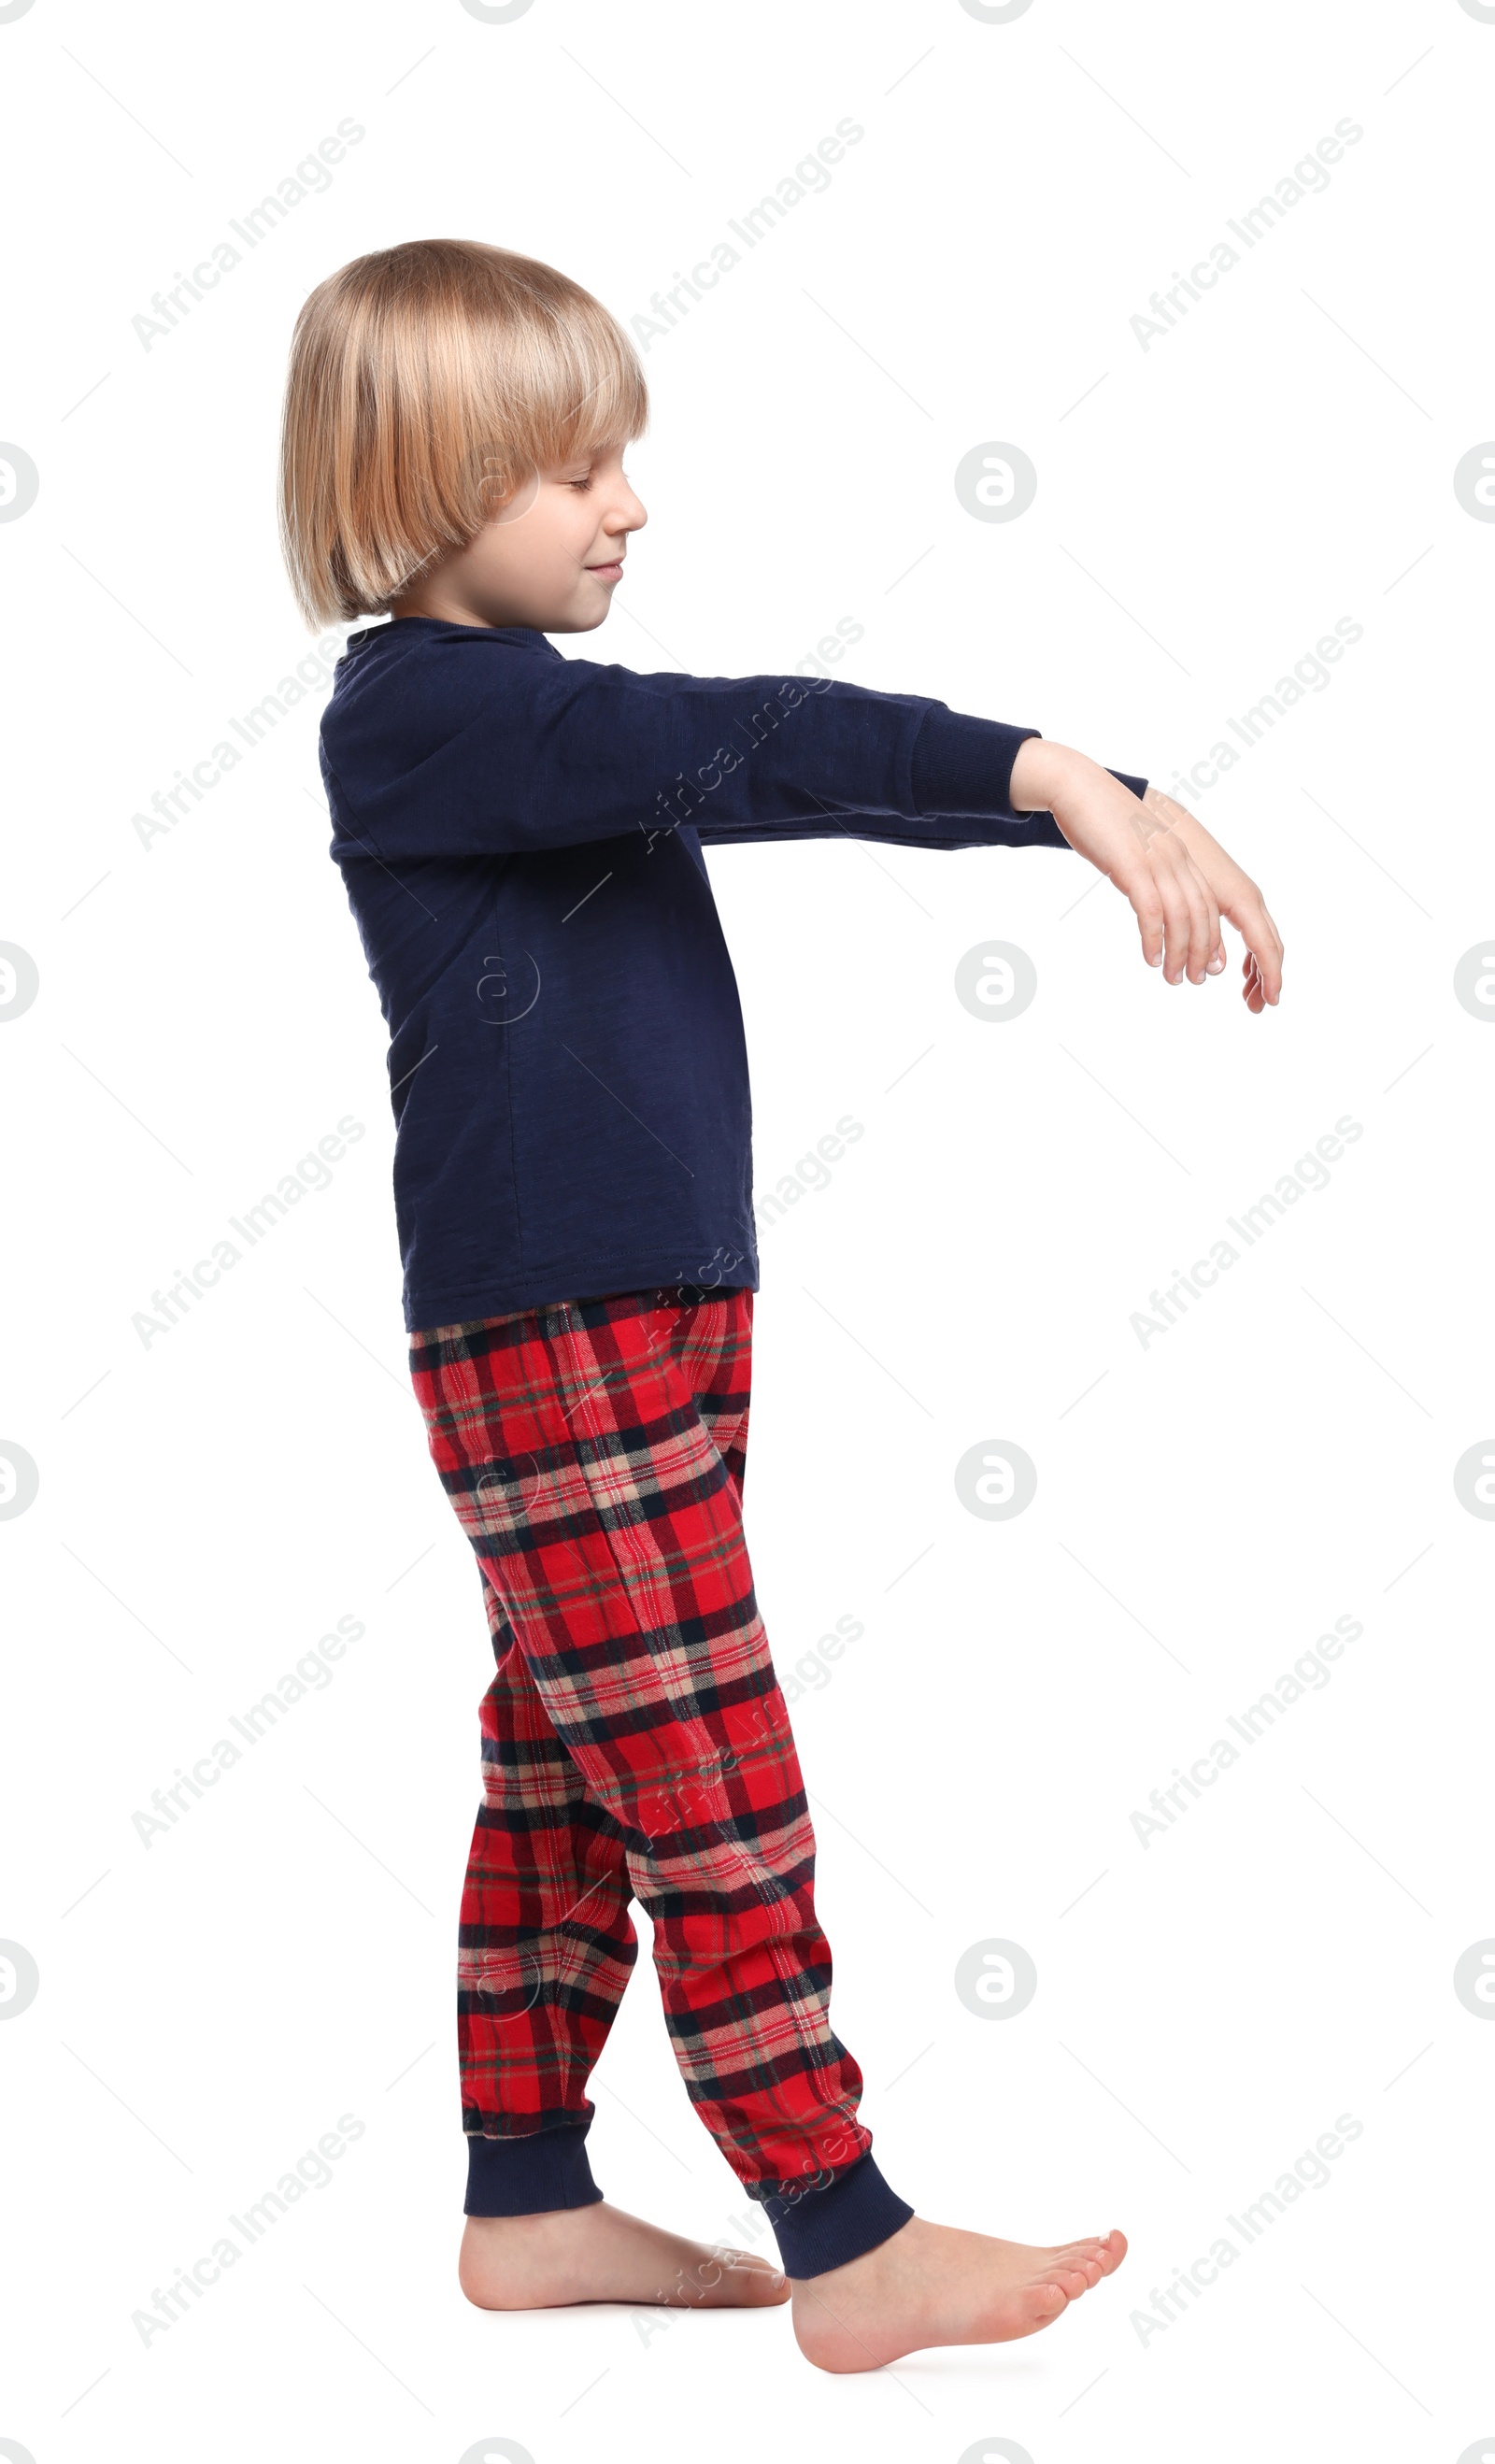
<point>958,768</point>
<point>466,746</point>
<point>961,771</point>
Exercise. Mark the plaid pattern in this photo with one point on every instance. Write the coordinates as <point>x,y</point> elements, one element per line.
<point>635,1739</point>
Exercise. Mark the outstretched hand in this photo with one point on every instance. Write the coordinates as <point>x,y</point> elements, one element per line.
<point>1177,880</point>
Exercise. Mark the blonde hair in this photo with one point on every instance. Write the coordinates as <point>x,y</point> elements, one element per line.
<point>425,383</point>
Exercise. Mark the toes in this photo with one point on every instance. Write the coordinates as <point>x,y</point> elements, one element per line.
<point>739,2278</point>
<point>767,2279</point>
<point>1105,2251</point>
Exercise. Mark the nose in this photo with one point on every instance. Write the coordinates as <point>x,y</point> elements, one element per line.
<point>627,512</point>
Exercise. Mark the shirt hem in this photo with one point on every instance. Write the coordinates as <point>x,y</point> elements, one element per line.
<point>424,1311</point>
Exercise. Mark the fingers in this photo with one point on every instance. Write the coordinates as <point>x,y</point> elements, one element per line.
<point>1165,917</point>
<point>1148,908</point>
<point>1268,957</point>
<point>1179,919</point>
<point>1264,945</point>
<point>1204,941</point>
<point>1175,896</point>
<point>1190,916</point>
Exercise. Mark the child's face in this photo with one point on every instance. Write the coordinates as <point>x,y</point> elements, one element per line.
<point>551,559</point>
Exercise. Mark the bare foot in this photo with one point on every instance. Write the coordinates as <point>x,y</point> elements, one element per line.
<point>600,2253</point>
<point>928,2284</point>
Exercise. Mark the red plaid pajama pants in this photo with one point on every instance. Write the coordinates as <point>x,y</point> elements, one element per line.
<point>635,1741</point>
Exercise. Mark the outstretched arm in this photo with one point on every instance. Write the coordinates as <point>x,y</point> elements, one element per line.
<point>1177,880</point>
<point>460,744</point>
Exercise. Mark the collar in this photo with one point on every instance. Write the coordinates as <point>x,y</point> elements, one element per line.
<point>527,637</point>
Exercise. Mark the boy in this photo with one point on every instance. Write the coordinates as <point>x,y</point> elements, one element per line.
<point>520,838</point>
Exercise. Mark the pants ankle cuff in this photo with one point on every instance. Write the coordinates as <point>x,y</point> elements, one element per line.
<point>821,2223</point>
<point>527,2176</point>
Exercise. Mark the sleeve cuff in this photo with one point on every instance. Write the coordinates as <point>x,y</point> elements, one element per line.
<point>964,765</point>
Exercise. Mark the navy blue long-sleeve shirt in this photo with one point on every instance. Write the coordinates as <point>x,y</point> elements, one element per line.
<point>520,838</point>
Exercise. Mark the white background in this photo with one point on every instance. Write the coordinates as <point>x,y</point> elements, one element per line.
<point>1206,1507</point>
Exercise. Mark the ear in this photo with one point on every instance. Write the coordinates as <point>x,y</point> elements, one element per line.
<point>507,495</point>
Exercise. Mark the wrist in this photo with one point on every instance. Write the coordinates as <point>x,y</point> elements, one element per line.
<point>1042,774</point>
<point>1159,812</point>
